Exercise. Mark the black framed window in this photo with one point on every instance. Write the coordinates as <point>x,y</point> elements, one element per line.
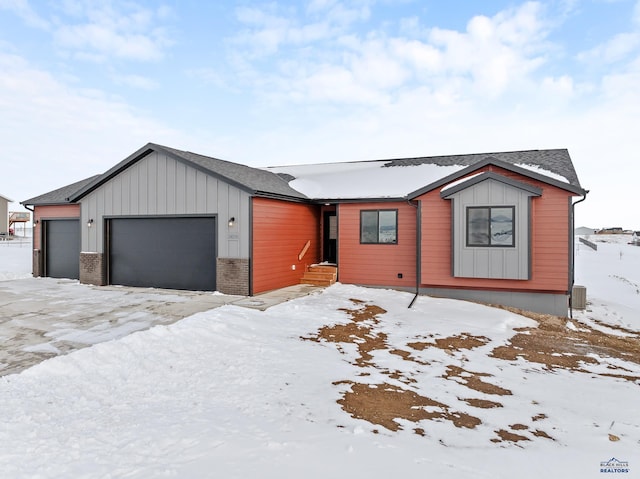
<point>491,226</point>
<point>379,226</point>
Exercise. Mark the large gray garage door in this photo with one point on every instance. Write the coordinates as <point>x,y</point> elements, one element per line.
<point>174,253</point>
<point>62,248</point>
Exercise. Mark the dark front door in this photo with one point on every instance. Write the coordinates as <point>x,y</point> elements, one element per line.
<point>172,253</point>
<point>61,248</point>
<point>330,240</point>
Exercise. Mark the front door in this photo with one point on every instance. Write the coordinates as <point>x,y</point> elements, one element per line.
<point>330,240</point>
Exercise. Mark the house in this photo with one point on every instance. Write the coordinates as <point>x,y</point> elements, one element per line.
<point>4,215</point>
<point>635,238</point>
<point>584,231</point>
<point>496,228</point>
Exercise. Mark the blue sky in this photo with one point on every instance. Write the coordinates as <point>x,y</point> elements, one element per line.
<point>85,83</point>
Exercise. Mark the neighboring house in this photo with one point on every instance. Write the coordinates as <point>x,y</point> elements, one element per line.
<point>4,215</point>
<point>616,230</point>
<point>496,228</point>
<point>584,231</point>
<point>635,237</point>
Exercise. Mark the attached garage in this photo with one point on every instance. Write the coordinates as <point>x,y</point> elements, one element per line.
<point>61,248</point>
<point>162,252</point>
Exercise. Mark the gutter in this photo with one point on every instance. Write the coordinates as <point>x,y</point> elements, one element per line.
<point>573,251</point>
<point>418,250</point>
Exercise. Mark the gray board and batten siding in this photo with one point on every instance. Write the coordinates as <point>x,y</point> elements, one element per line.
<point>492,190</point>
<point>158,185</point>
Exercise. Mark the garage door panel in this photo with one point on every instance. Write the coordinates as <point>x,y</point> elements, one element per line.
<point>175,253</point>
<point>62,248</point>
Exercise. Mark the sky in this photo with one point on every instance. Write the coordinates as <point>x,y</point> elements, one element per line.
<point>83,84</point>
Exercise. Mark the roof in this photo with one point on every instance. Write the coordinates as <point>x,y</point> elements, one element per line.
<point>357,180</point>
<point>410,177</point>
<point>8,200</point>
<point>255,181</point>
<point>59,196</point>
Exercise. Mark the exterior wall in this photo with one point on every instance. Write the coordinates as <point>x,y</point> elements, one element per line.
<point>51,212</point>
<point>4,215</point>
<point>43,213</point>
<point>545,303</point>
<point>160,185</point>
<point>377,264</point>
<point>280,231</point>
<point>92,269</point>
<point>550,243</point>
<point>491,262</point>
<point>232,276</point>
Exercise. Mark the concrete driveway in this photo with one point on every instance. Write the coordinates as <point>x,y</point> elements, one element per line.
<point>44,317</point>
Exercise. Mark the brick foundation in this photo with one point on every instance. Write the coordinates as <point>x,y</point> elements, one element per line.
<point>36,265</point>
<point>92,270</point>
<point>232,276</point>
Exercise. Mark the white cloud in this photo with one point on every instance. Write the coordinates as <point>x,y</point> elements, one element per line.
<point>136,81</point>
<point>104,41</point>
<point>53,134</point>
<point>24,11</point>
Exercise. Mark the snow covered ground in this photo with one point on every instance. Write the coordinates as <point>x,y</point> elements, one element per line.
<point>347,382</point>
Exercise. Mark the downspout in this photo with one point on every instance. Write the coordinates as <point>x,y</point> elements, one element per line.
<point>573,252</point>
<point>418,249</point>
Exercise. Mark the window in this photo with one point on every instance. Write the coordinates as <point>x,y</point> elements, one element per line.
<point>490,226</point>
<point>379,226</point>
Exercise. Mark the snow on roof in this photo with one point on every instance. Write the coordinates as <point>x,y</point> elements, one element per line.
<point>397,178</point>
<point>542,171</point>
<point>366,179</point>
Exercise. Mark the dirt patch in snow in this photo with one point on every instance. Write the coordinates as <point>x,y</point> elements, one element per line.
<point>384,404</point>
<point>554,342</point>
<point>453,343</point>
<point>559,343</point>
<point>472,381</point>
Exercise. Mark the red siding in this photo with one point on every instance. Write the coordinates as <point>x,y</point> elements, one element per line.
<point>376,264</point>
<point>549,249</point>
<point>280,231</point>
<point>52,212</point>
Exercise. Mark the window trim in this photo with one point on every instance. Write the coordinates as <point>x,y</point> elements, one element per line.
<point>378,211</point>
<point>469,244</point>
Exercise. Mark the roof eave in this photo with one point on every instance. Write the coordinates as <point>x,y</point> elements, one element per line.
<point>501,164</point>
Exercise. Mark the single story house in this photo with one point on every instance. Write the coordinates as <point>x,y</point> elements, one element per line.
<point>496,228</point>
<point>4,215</point>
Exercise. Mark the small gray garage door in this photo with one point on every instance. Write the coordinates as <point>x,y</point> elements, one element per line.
<point>173,253</point>
<point>62,248</point>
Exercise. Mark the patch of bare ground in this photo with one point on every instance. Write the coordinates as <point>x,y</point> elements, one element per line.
<point>554,345</point>
<point>509,436</point>
<point>504,435</point>
<point>453,343</point>
<point>472,381</point>
<point>355,332</point>
<point>616,327</point>
<point>481,403</point>
<point>384,403</point>
<point>407,356</point>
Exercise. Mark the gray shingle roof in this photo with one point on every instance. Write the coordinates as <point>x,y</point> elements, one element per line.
<point>257,180</point>
<point>59,196</point>
<point>253,180</point>
<point>555,161</point>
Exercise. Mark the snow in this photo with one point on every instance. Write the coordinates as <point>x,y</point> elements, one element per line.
<point>367,179</point>
<point>544,172</point>
<point>15,258</point>
<point>236,393</point>
<point>372,179</point>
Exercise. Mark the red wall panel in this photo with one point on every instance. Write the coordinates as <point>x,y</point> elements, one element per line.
<point>51,212</point>
<point>280,231</point>
<point>550,247</point>
<point>376,264</point>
